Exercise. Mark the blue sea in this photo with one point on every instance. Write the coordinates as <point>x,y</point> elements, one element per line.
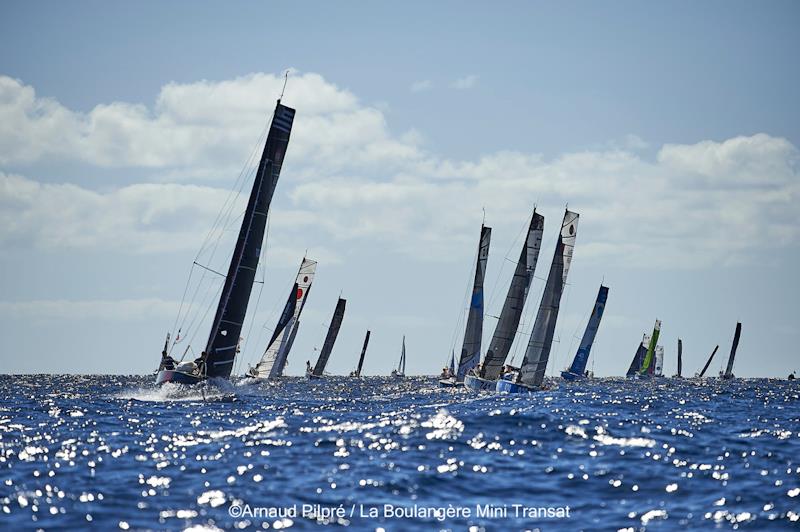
<point>115,452</point>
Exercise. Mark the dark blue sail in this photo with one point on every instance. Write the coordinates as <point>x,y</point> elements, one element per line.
<point>227,325</point>
<point>578,366</point>
<point>330,338</point>
<point>636,363</point>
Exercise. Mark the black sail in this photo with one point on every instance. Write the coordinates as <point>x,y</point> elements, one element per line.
<point>680,357</point>
<point>227,325</point>
<point>708,362</point>
<point>330,338</point>
<point>363,354</point>
<point>734,346</point>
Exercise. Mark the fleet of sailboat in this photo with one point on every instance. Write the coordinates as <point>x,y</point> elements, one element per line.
<point>491,374</point>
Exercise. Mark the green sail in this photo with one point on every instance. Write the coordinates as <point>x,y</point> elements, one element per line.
<point>648,357</point>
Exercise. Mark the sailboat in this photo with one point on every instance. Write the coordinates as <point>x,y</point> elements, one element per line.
<point>273,361</point>
<point>680,360</point>
<point>216,360</point>
<point>330,339</point>
<point>531,374</point>
<point>658,365</point>
<point>638,357</point>
<point>729,368</point>
<point>357,372</point>
<point>708,363</point>
<point>400,372</point>
<point>647,369</point>
<point>577,369</point>
<point>471,348</point>
<point>506,329</point>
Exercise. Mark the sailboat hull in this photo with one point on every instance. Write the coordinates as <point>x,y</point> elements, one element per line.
<point>569,376</point>
<point>450,383</point>
<point>504,386</point>
<point>477,384</point>
<point>178,377</point>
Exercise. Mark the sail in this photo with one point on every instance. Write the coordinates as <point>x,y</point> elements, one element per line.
<point>658,370</point>
<point>453,363</point>
<point>736,335</point>
<point>647,363</point>
<point>330,338</point>
<point>582,356</point>
<point>507,325</point>
<point>636,363</point>
<point>274,358</point>
<point>708,362</point>
<point>363,354</point>
<point>680,357</point>
<point>280,364</point>
<point>536,356</point>
<point>401,366</point>
<point>223,339</point>
<point>471,349</point>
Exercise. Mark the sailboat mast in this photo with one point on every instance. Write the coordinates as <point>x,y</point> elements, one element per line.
<point>363,354</point>
<point>734,346</point>
<point>223,338</point>
<point>708,362</point>
<point>680,357</point>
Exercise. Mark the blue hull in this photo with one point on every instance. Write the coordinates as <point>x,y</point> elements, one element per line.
<point>514,387</point>
<point>178,377</point>
<point>568,375</point>
<point>477,384</point>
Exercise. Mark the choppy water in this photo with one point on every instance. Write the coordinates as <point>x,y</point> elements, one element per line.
<point>115,452</point>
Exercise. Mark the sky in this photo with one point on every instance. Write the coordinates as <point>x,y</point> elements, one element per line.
<point>672,129</point>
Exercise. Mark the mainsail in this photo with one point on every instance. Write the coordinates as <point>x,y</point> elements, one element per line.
<point>582,356</point>
<point>223,339</point>
<point>401,366</point>
<point>659,361</point>
<point>471,349</point>
<point>330,338</point>
<point>357,372</point>
<point>274,359</point>
<point>647,363</point>
<point>536,356</point>
<point>708,362</point>
<point>636,363</point>
<point>729,369</point>
<point>680,357</point>
<point>508,323</point>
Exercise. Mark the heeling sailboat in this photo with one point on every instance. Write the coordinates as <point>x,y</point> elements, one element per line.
<point>357,372</point>
<point>471,348</point>
<point>216,360</point>
<point>647,368</point>
<point>531,374</point>
<point>729,368</point>
<point>330,339</point>
<point>507,325</point>
<point>708,363</point>
<point>578,368</point>
<point>400,372</point>
<point>273,361</point>
<point>636,363</point>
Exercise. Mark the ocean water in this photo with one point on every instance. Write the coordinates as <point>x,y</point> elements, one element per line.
<point>114,452</point>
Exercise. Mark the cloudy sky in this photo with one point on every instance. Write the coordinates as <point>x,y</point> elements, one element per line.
<point>672,129</point>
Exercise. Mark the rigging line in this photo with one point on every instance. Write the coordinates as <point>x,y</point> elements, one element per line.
<point>180,308</point>
<point>209,269</point>
<point>506,258</point>
<point>468,291</point>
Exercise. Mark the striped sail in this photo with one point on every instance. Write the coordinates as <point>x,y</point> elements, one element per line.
<point>330,338</point>
<point>582,356</point>
<point>226,328</point>
<point>274,359</point>
<point>471,348</point>
<point>647,363</point>
<point>536,356</point>
<point>507,325</point>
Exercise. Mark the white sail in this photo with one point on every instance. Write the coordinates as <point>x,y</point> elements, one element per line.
<point>659,369</point>
<point>274,359</point>
<point>538,353</point>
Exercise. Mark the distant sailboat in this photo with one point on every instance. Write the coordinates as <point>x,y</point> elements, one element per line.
<point>216,360</point>
<point>357,372</point>
<point>471,348</point>
<point>273,361</point>
<point>507,325</point>
<point>400,372</point>
<point>531,374</point>
<point>680,359</point>
<point>729,369</point>
<point>708,362</point>
<point>330,339</point>
<point>578,368</point>
<point>658,366</point>
<point>638,357</point>
<point>648,367</point>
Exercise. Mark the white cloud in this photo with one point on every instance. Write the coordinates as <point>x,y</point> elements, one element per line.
<point>421,86</point>
<point>467,82</point>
